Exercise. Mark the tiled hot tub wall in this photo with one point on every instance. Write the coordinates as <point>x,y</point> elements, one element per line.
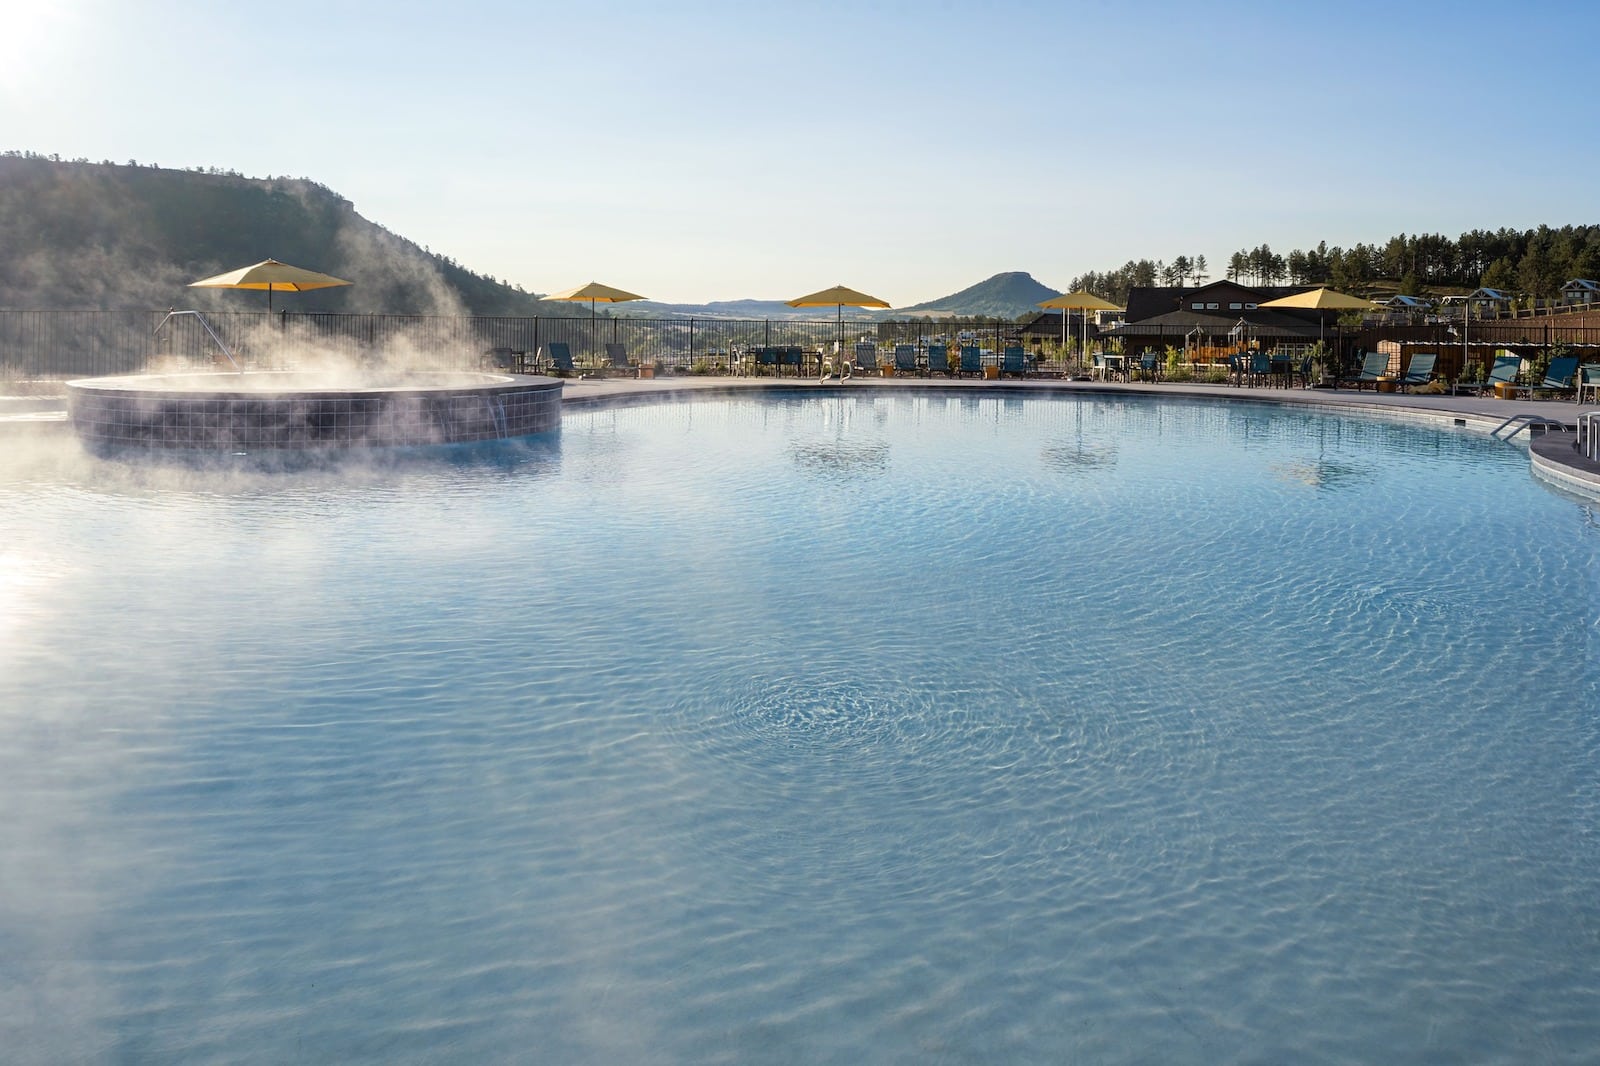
<point>110,414</point>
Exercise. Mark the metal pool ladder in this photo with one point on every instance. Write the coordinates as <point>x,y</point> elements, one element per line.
<point>1517,423</point>
<point>213,333</point>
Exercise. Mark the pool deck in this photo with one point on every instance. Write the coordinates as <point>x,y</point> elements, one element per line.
<point>1551,447</point>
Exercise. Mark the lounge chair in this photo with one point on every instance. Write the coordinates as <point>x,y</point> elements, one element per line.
<point>1589,381</point>
<point>866,359</point>
<point>1013,360</point>
<point>1561,377</point>
<point>1373,369</point>
<point>1504,372</point>
<point>558,358</point>
<point>905,359</point>
<point>617,360</point>
<point>1419,371</point>
<point>971,361</point>
<point>938,359</point>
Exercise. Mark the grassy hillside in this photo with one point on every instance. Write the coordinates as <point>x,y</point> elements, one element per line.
<point>100,235</point>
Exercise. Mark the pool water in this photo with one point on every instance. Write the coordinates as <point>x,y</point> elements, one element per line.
<point>838,729</point>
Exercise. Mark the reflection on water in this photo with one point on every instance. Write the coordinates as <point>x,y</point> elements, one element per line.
<point>835,729</point>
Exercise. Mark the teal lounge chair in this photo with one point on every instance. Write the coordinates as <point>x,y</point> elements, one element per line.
<point>617,360</point>
<point>971,360</point>
<point>905,359</point>
<point>938,359</point>
<point>1419,371</point>
<point>1504,372</point>
<point>1013,360</point>
<point>866,359</point>
<point>558,357</point>
<point>1373,368</point>
<point>1562,375</point>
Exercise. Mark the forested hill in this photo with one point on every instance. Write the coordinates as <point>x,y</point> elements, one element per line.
<point>101,235</point>
<point>1010,295</point>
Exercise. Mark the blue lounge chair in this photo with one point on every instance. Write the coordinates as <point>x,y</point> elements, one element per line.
<point>617,360</point>
<point>866,359</point>
<point>1013,360</point>
<point>938,359</point>
<point>905,359</point>
<point>791,355</point>
<point>971,360</point>
<point>1504,372</point>
<point>1419,371</point>
<point>1373,368</point>
<point>1150,366</point>
<point>1562,375</point>
<point>558,357</point>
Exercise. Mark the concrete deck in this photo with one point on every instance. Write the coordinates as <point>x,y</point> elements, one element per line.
<point>1552,450</point>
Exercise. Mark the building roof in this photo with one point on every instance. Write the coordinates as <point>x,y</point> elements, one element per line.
<point>1265,325</point>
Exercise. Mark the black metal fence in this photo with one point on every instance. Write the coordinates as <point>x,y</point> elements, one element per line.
<point>65,344</point>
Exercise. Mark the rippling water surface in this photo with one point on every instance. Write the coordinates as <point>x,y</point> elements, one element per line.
<point>888,729</point>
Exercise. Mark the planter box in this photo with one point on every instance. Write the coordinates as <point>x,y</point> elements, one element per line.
<point>1386,385</point>
<point>647,371</point>
<point>888,371</point>
<point>991,373</point>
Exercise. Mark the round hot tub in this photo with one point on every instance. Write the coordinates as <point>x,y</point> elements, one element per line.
<point>276,410</point>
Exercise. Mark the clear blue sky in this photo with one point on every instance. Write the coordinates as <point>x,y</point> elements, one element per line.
<point>698,151</point>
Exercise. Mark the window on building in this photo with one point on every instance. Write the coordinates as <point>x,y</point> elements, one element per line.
<point>1198,305</point>
<point>1212,307</point>
<point>1249,307</point>
<point>1235,306</point>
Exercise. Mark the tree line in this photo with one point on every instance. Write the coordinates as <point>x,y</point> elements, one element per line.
<point>1532,263</point>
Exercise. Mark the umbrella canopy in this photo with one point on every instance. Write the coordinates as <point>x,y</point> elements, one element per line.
<point>1322,300</point>
<point>595,292</point>
<point>271,275</point>
<point>837,297</point>
<point>1077,301</point>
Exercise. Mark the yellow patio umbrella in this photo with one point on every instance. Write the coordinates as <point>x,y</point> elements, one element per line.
<point>1077,301</point>
<point>595,293</point>
<point>271,275</point>
<point>837,297</point>
<point>1319,300</point>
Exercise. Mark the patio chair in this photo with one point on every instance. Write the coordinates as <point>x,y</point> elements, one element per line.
<point>617,360</point>
<point>1373,369</point>
<point>866,359</point>
<point>558,358</point>
<point>507,359</point>
<point>1013,360</point>
<point>1149,366</point>
<point>1419,371</point>
<point>938,359</point>
<point>905,359</point>
<point>1561,377</point>
<point>1504,372</point>
<point>1589,381</point>
<point>971,361</point>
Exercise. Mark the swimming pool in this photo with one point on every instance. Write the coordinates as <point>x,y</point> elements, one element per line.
<point>895,728</point>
